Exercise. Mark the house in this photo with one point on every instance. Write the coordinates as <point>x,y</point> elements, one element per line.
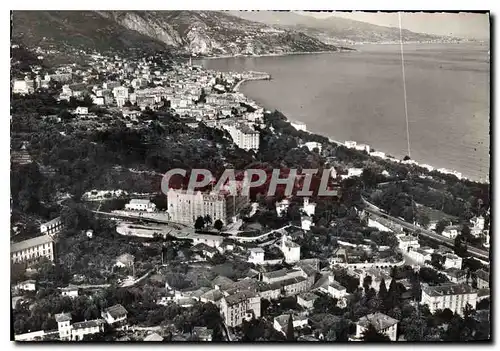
<point>205,250</point>
<point>240,306</point>
<point>202,333</point>
<point>419,255</point>
<point>290,250</point>
<point>336,290</point>
<point>451,231</point>
<point>221,282</point>
<point>256,255</point>
<point>125,260</point>
<point>27,285</point>
<point>214,296</point>
<point>306,300</point>
<point>456,275</point>
<point>452,296</point>
<point>52,227</point>
<point>311,145</point>
<point>306,222</point>
<point>382,324</point>
<point>153,337</point>
<point>280,323</point>
<point>70,291</point>
<point>76,331</point>
<point>452,261</point>
<point>81,110</point>
<point>116,316</point>
<point>483,279</point>
<point>407,243</point>
<point>140,205</point>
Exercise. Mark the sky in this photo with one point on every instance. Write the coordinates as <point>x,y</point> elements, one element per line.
<point>464,25</point>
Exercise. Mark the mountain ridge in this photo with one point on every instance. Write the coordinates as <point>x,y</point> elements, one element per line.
<point>335,29</point>
<point>205,33</point>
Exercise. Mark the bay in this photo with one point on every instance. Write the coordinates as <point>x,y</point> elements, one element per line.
<point>359,96</point>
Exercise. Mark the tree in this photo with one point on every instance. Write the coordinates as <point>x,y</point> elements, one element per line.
<point>372,335</point>
<point>199,223</point>
<point>290,333</point>
<point>382,292</point>
<point>443,223</point>
<point>460,246</point>
<point>218,225</point>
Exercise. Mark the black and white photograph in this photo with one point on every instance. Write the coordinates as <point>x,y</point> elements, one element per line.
<point>246,176</point>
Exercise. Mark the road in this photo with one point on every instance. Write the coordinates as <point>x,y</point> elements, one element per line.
<point>475,252</point>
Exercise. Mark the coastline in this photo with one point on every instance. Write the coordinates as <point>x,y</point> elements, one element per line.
<point>275,55</point>
<point>430,168</point>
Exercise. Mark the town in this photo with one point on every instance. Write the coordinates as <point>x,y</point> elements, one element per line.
<point>101,252</point>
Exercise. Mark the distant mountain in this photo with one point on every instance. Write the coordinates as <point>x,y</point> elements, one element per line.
<point>333,29</point>
<point>197,32</point>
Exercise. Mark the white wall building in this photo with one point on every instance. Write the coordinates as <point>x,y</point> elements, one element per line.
<point>240,306</point>
<point>140,205</point>
<point>32,249</point>
<point>256,255</point>
<point>290,250</point>
<point>381,322</point>
<point>452,296</point>
<point>452,261</point>
<point>184,207</point>
<point>52,227</point>
<point>309,208</point>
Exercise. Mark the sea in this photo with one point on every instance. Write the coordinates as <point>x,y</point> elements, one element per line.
<point>359,96</point>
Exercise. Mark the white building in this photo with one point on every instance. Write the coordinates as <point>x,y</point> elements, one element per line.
<point>450,231</point>
<point>382,324</point>
<point>25,86</point>
<point>309,208</point>
<point>81,110</point>
<point>362,147</point>
<point>243,136</point>
<point>140,205</point>
<point>240,306</point>
<point>281,322</point>
<point>52,227</point>
<point>77,331</point>
<point>306,300</point>
<point>452,261</point>
<point>184,207</point>
<point>452,296</point>
<point>350,144</point>
<point>306,223</point>
<point>70,291</point>
<point>299,126</point>
<point>290,250</point>
<point>116,316</point>
<point>311,145</point>
<point>407,243</point>
<point>420,255</point>
<point>256,255</point>
<point>27,285</point>
<point>32,249</point>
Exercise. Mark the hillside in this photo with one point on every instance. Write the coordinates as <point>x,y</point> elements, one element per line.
<point>197,32</point>
<point>215,33</point>
<point>76,29</point>
<point>333,29</point>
